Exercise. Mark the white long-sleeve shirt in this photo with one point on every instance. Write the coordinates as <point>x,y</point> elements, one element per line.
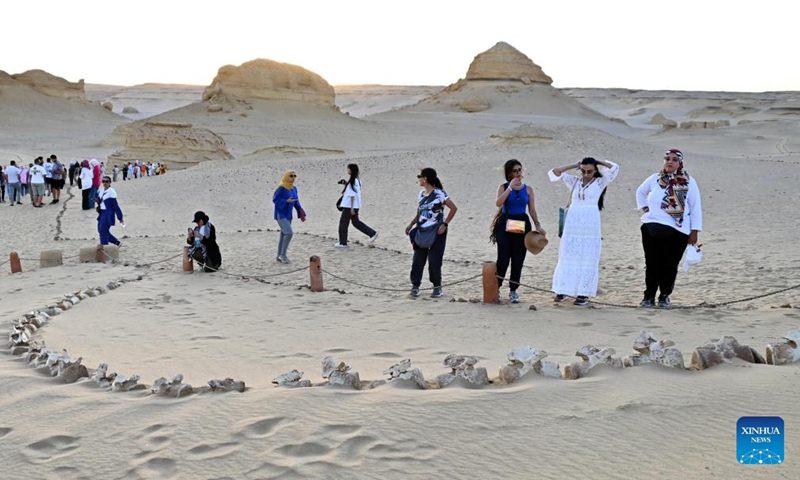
<point>86,178</point>
<point>650,194</point>
<point>352,198</point>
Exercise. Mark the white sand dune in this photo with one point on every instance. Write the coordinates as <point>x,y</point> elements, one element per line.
<point>612,424</point>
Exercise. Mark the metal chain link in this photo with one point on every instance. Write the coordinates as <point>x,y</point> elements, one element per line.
<point>405,289</point>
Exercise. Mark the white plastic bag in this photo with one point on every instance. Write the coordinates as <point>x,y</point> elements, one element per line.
<point>693,256</point>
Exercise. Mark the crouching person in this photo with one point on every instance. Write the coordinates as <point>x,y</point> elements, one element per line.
<point>203,239</point>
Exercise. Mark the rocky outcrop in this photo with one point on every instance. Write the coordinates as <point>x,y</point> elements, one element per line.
<point>269,80</point>
<point>660,119</point>
<point>48,84</point>
<point>108,106</point>
<point>504,62</point>
<point>129,109</point>
<point>178,145</point>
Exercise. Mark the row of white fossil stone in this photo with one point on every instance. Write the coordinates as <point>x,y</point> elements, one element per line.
<point>522,360</point>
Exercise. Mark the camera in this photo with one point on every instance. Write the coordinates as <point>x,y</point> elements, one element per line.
<point>342,182</point>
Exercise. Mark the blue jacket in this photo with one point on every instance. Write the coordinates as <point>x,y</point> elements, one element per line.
<point>283,209</point>
<point>112,210</point>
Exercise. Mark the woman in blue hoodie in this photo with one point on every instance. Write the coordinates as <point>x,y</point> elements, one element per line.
<point>108,209</point>
<point>285,200</point>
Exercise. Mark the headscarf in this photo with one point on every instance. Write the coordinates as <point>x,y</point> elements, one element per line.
<point>85,163</point>
<point>676,187</point>
<point>287,182</point>
<point>93,162</point>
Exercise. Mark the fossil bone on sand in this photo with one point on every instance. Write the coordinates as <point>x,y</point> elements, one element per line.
<point>591,356</point>
<point>172,388</point>
<point>651,350</point>
<point>402,372</point>
<point>291,379</point>
<point>781,353</point>
<point>338,373</point>
<point>463,366</point>
<point>715,352</point>
<point>226,385</point>
<point>525,359</point>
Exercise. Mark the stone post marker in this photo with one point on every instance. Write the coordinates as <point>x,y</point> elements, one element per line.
<point>188,264</point>
<point>315,269</point>
<point>491,289</point>
<point>51,258</point>
<point>16,266</point>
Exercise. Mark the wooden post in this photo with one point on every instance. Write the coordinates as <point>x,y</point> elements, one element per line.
<point>315,269</point>
<point>16,266</point>
<point>188,265</point>
<point>99,256</point>
<point>491,289</point>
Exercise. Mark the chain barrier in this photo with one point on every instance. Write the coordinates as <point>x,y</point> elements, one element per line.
<point>392,289</point>
<point>672,307</point>
<point>450,284</point>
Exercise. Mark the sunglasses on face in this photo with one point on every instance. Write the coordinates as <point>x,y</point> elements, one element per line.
<point>106,181</point>
<point>516,170</point>
<point>672,159</point>
<point>292,176</point>
<point>420,176</point>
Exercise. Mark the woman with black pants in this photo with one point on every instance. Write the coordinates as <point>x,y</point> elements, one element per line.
<point>512,223</point>
<point>431,203</point>
<point>350,205</point>
<point>672,219</point>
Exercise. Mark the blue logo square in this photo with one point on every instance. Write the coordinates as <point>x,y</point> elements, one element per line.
<point>759,441</point>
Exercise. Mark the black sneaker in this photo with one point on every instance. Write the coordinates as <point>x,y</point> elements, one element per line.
<point>560,297</point>
<point>663,301</point>
<point>581,301</point>
<point>414,292</point>
<point>647,303</point>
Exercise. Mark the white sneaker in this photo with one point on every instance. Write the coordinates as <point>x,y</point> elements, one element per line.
<point>373,238</point>
<point>339,245</point>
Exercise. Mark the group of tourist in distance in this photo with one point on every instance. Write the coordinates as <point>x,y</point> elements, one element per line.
<point>669,199</point>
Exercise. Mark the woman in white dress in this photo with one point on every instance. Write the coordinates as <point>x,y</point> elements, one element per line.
<point>577,272</point>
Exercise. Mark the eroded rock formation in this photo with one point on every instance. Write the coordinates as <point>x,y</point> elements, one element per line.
<point>47,84</point>
<point>178,145</point>
<point>504,62</point>
<point>269,80</point>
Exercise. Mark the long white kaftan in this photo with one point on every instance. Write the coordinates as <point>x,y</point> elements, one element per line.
<point>577,272</point>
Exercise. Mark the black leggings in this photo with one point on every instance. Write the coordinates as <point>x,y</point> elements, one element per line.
<point>85,199</point>
<point>663,249</point>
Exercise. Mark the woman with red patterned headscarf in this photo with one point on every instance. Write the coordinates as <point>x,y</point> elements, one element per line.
<point>672,218</point>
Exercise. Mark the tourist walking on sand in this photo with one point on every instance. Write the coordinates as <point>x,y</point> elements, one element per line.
<point>515,200</point>
<point>85,184</point>
<point>285,199</point>
<point>672,218</point>
<point>25,181</point>
<point>108,212</point>
<point>578,271</point>
<point>350,207</point>
<point>12,180</point>
<point>116,173</point>
<point>37,178</point>
<point>2,186</point>
<point>97,175</point>
<point>57,182</point>
<point>428,231</point>
<point>73,167</point>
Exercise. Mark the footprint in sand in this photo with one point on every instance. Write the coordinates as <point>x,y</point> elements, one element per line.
<point>308,449</point>
<point>205,451</point>
<point>262,428</point>
<point>51,448</point>
<point>160,467</point>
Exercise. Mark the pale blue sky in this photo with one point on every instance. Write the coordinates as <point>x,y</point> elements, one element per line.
<point>675,45</point>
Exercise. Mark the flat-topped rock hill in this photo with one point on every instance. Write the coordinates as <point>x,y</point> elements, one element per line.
<point>269,80</point>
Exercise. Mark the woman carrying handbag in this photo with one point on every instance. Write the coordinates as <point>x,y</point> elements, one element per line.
<point>349,205</point>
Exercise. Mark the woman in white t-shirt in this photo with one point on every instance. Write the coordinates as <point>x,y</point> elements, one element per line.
<point>350,206</point>
<point>431,203</point>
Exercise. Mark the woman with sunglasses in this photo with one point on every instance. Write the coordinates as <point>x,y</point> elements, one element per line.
<point>350,206</point>
<point>285,199</point>
<point>578,271</point>
<point>672,218</point>
<point>108,209</point>
<point>431,202</point>
<point>514,201</point>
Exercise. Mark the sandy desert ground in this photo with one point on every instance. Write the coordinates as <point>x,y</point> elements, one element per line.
<point>257,319</point>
